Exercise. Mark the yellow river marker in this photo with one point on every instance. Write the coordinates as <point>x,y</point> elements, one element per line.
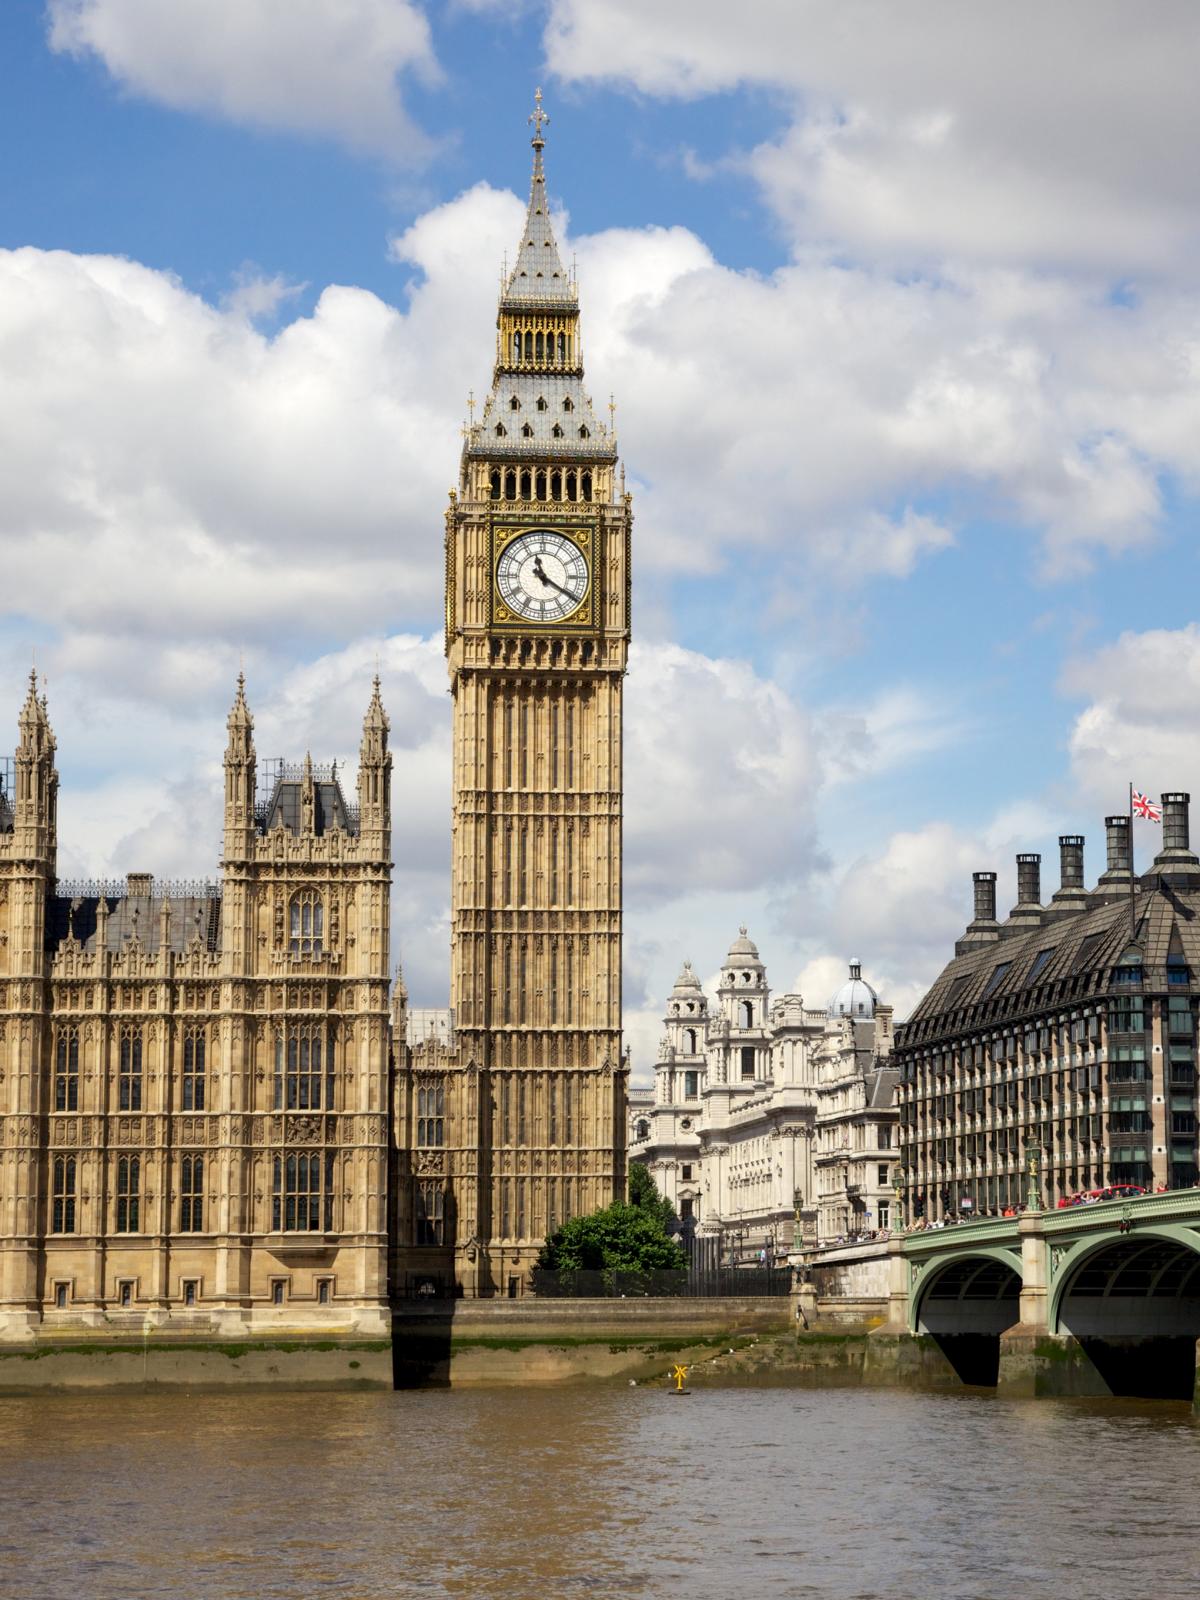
<point>680,1375</point>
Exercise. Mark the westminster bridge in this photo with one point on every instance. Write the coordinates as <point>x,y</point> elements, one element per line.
<point>1087,1299</point>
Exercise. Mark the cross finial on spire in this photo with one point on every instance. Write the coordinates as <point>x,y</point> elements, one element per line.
<point>538,117</point>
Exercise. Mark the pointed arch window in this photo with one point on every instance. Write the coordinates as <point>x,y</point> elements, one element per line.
<point>494,483</point>
<point>516,346</point>
<point>541,402</point>
<point>514,404</point>
<point>527,432</point>
<point>66,1070</point>
<point>63,1209</point>
<point>557,430</point>
<point>562,348</point>
<point>501,431</point>
<point>568,404</point>
<point>307,923</point>
<point>584,434</point>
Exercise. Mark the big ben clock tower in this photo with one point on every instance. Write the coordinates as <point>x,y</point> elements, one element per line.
<point>537,635</point>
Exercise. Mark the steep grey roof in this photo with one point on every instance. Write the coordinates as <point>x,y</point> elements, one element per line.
<point>538,272</point>
<point>527,388</point>
<point>1063,959</point>
<point>329,807</point>
<point>195,910</point>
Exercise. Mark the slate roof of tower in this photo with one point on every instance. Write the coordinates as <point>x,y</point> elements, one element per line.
<point>538,273</point>
<point>1062,960</point>
<point>528,388</point>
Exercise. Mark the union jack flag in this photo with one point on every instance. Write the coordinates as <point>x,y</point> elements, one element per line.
<point>1145,808</point>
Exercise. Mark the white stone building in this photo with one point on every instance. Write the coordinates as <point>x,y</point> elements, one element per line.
<point>771,1123</point>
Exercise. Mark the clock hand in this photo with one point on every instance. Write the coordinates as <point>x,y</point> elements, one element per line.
<point>539,572</point>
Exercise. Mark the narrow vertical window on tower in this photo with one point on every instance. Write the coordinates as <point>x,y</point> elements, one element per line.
<point>129,1070</point>
<point>129,1194</point>
<point>192,1097</point>
<point>63,1207</point>
<point>191,1194</point>
<point>66,1070</point>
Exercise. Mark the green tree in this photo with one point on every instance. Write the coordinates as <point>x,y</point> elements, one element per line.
<point>643,1192</point>
<point>621,1238</point>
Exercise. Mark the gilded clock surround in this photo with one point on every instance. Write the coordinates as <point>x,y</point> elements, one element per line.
<point>583,618</point>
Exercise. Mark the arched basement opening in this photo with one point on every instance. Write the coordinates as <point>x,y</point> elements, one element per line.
<point>1134,1307</point>
<point>965,1308</point>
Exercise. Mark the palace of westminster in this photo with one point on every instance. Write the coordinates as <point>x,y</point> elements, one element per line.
<point>216,1109</point>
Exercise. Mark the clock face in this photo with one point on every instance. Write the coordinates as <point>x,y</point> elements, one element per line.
<point>542,576</point>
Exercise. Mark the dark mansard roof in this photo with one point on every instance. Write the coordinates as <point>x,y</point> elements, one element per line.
<point>135,911</point>
<point>1064,959</point>
<point>281,803</point>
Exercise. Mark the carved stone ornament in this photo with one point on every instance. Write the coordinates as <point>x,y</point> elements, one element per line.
<point>430,1163</point>
<point>303,1130</point>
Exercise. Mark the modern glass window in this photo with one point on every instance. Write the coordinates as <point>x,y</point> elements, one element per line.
<point>129,1071</point>
<point>302,1198</point>
<point>304,1069</point>
<point>191,1191</point>
<point>996,979</point>
<point>129,1194</point>
<point>63,1203</point>
<point>66,1070</point>
<point>1039,961</point>
<point>193,1069</point>
<point>429,1214</point>
<point>307,923</point>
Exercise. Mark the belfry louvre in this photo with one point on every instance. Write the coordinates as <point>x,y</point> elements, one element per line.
<point>1069,1030</point>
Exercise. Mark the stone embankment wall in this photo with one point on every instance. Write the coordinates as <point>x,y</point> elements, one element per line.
<point>847,1286</point>
<point>105,1362</point>
<point>478,1342</point>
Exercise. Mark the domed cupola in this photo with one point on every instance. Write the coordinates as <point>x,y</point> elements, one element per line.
<point>855,998</point>
<point>743,952</point>
<point>687,983</point>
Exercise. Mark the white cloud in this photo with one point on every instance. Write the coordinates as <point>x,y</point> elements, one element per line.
<point>328,67</point>
<point>720,777</point>
<point>1025,132</point>
<point>1141,720</point>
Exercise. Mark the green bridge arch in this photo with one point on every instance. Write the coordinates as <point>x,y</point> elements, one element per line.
<point>925,1273</point>
<point>1066,1267</point>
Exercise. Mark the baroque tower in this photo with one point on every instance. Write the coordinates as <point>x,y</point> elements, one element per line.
<point>537,635</point>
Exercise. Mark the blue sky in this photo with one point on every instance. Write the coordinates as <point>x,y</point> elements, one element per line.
<point>903,327</point>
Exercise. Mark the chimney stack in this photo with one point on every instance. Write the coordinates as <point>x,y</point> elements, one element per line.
<point>1070,897</point>
<point>1116,837</point>
<point>1027,913</point>
<point>984,928</point>
<point>1176,858</point>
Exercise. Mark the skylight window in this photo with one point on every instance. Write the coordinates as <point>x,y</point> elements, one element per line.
<point>996,979</point>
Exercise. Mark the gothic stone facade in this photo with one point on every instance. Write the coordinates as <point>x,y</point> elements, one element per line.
<point>194,1079</point>
<point>772,1123</point>
<point>512,1118</point>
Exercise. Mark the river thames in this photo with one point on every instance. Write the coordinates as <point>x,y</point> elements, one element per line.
<point>548,1494</point>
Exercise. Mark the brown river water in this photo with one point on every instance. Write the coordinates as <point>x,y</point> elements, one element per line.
<point>844,1494</point>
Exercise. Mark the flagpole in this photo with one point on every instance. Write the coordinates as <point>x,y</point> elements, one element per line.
<point>1132,913</point>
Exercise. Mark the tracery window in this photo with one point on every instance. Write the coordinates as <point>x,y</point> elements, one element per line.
<point>63,1208</point>
<point>129,1071</point>
<point>193,1069</point>
<point>302,1198</point>
<point>129,1194</point>
<point>431,1112</point>
<point>307,923</point>
<point>66,1070</point>
<point>304,1066</point>
<point>429,1214</point>
<point>191,1189</point>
